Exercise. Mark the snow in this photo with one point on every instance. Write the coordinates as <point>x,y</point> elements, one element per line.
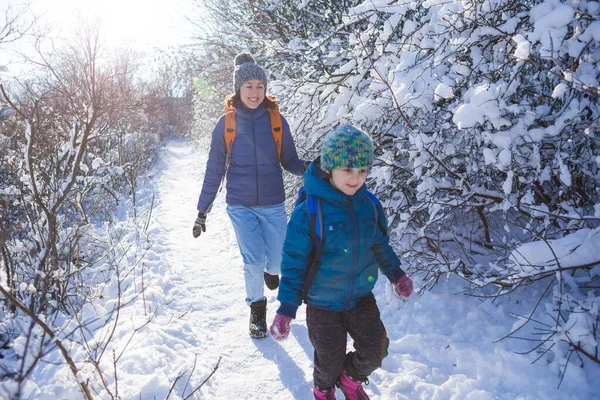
<point>97,163</point>
<point>579,248</point>
<point>523,47</point>
<point>547,17</point>
<point>508,183</point>
<point>443,91</point>
<point>442,344</point>
<point>489,157</point>
<point>559,91</point>
<point>482,105</point>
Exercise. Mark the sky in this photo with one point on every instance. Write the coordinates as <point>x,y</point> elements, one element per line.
<point>443,345</point>
<point>136,24</point>
<point>125,22</point>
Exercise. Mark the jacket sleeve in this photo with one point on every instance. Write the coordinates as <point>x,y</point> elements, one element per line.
<point>294,266</point>
<point>388,261</point>
<point>289,157</point>
<point>215,168</point>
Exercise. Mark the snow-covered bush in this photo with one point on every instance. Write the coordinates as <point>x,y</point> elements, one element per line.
<point>75,145</point>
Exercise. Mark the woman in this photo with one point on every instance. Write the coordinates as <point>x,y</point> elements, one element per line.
<point>255,193</point>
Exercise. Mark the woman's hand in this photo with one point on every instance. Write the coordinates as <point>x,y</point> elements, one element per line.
<point>199,225</point>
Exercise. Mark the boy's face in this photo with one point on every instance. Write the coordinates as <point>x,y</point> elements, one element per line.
<point>348,180</point>
<point>252,93</point>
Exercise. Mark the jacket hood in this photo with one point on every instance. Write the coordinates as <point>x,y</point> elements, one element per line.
<point>316,183</point>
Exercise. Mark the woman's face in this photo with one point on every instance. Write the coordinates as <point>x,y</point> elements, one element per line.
<point>252,93</point>
<point>348,180</point>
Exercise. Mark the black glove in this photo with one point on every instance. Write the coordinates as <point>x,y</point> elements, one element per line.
<point>305,165</point>
<point>199,225</point>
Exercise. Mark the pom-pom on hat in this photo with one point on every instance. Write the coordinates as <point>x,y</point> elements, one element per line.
<point>346,147</point>
<point>245,69</point>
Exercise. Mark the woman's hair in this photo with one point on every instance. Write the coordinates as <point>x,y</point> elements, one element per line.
<point>235,99</point>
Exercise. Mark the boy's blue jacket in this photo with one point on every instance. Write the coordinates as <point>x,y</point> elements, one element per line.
<point>254,176</point>
<point>354,249</point>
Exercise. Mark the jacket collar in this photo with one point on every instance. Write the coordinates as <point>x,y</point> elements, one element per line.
<point>248,113</point>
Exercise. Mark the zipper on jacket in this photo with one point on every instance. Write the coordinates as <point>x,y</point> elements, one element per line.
<point>355,233</point>
<point>255,157</point>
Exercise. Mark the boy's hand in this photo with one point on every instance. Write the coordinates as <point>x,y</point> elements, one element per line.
<point>199,225</point>
<point>280,328</point>
<point>403,287</point>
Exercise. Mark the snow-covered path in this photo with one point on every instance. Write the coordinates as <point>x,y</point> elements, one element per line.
<point>208,291</point>
<point>442,345</point>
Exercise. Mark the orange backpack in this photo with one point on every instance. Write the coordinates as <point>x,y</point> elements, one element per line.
<point>276,129</point>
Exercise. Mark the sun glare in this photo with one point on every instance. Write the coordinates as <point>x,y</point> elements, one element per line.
<point>123,22</point>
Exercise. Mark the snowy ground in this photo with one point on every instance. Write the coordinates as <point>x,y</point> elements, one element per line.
<point>442,345</point>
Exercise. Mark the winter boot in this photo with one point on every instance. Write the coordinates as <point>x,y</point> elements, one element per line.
<point>320,395</point>
<point>352,389</point>
<point>258,319</point>
<point>272,281</point>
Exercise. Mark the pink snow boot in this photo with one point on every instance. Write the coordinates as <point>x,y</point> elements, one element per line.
<point>328,395</point>
<point>352,389</point>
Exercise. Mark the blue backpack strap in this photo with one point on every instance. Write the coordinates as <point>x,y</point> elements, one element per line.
<point>373,198</point>
<point>378,211</point>
<point>313,206</point>
<point>301,196</point>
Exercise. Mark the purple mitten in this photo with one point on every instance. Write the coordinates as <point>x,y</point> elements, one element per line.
<point>280,328</point>
<point>403,287</point>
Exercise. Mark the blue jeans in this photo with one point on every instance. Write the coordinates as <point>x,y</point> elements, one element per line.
<point>260,232</point>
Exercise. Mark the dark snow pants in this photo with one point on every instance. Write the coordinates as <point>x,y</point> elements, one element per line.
<point>328,332</point>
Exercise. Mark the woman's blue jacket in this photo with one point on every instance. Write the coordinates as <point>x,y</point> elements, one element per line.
<point>354,248</point>
<point>254,176</point>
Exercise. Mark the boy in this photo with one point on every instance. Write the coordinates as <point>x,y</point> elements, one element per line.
<point>339,295</point>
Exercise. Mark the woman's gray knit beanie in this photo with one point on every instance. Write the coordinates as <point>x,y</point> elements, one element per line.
<point>245,69</point>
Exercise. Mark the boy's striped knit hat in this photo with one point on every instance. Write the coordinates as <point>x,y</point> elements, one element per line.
<point>245,69</point>
<point>346,147</point>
